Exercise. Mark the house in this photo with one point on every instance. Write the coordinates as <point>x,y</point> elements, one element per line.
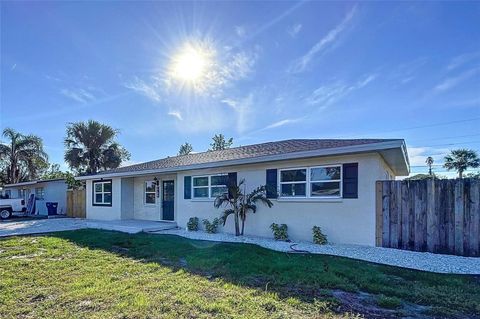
<point>324,182</point>
<point>53,190</point>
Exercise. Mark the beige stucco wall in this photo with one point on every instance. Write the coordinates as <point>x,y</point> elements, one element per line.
<point>105,212</point>
<point>343,220</point>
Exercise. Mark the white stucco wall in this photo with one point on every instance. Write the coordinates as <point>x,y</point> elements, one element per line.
<point>343,220</point>
<point>151,211</point>
<point>105,212</point>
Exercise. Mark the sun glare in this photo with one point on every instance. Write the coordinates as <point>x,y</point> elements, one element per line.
<point>190,64</point>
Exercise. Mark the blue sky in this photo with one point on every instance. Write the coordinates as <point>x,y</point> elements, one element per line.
<point>276,70</point>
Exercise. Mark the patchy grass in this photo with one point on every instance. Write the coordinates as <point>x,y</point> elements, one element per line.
<point>101,274</point>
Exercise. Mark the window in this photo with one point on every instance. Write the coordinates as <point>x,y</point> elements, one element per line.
<point>39,193</point>
<point>102,193</point>
<point>311,182</point>
<point>293,182</point>
<point>209,186</point>
<point>150,192</point>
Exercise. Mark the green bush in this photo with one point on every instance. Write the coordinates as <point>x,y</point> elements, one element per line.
<point>389,302</point>
<point>319,237</point>
<point>211,227</point>
<point>280,232</point>
<point>192,224</point>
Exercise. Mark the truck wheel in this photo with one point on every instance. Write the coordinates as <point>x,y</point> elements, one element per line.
<point>5,213</point>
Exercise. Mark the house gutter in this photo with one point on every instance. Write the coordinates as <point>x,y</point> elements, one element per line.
<point>269,158</point>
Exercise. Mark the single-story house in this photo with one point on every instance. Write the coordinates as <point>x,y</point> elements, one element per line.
<point>53,190</point>
<point>325,182</point>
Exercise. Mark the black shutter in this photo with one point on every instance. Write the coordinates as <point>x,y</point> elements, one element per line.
<point>350,180</point>
<point>271,183</point>
<point>187,187</point>
<point>232,181</point>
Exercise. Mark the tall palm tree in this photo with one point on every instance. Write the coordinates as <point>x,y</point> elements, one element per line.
<point>91,147</point>
<point>429,162</point>
<point>460,160</point>
<point>22,157</point>
<point>239,204</point>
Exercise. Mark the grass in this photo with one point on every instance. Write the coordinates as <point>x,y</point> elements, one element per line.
<point>101,274</point>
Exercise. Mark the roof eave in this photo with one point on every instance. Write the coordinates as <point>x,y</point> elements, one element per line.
<point>395,144</point>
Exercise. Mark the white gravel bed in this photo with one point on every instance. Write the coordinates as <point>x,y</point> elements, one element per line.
<point>438,263</point>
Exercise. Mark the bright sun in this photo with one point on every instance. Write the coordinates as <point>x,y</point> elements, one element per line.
<point>190,64</point>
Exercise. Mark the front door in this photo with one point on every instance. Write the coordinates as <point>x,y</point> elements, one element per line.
<point>168,199</point>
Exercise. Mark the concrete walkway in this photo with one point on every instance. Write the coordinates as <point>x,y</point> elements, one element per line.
<point>38,226</point>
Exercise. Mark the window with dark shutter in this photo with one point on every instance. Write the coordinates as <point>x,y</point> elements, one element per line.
<point>350,180</point>
<point>187,187</point>
<point>271,186</point>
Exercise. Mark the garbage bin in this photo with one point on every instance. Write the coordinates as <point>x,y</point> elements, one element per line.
<point>52,208</point>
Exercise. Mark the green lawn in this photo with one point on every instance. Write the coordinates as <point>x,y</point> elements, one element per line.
<point>101,274</point>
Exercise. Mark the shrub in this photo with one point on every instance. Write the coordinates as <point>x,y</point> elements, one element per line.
<point>389,302</point>
<point>319,237</point>
<point>192,224</point>
<point>279,231</point>
<point>211,227</point>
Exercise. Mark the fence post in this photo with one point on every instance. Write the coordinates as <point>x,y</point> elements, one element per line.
<point>378,213</point>
<point>459,214</point>
<point>432,217</point>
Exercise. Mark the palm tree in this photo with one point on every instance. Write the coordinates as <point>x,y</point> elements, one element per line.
<point>91,147</point>
<point>240,204</point>
<point>22,157</point>
<point>429,162</point>
<point>460,160</point>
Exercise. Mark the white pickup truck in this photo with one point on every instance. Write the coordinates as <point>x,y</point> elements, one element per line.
<point>8,206</point>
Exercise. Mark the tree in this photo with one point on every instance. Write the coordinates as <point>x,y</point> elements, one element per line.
<point>460,160</point>
<point>91,147</point>
<point>23,157</point>
<point>219,143</point>
<point>239,204</point>
<point>429,162</point>
<point>54,172</point>
<point>185,149</point>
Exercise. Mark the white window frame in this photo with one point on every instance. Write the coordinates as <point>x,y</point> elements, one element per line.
<point>150,192</point>
<point>42,192</point>
<point>103,192</point>
<point>209,186</point>
<point>308,181</point>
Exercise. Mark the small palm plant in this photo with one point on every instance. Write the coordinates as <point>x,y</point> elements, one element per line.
<point>239,204</point>
<point>460,160</point>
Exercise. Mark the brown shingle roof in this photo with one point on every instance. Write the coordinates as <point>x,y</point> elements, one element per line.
<point>243,152</point>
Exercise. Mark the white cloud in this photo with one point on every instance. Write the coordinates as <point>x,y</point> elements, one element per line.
<point>78,95</point>
<point>176,114</point>
<point>462,59</point>
<point>150,90</point>
<point>240,30</point>
<point>453,81</point>
<point>294,30</point>
<point>243,109</point>
<point>281,123</point>
<point>300,64</point>
<point>328,94</point>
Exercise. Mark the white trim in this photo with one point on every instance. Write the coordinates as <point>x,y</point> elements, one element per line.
<point>262,159</point>
<point>103,192</point>
<point>145,193</point>
<point>308,187</point>
<point>208,186</point>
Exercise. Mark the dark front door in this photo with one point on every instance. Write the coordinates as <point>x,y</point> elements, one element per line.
<point>168,199</point>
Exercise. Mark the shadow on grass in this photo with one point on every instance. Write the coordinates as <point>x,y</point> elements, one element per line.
<point>306,277</point>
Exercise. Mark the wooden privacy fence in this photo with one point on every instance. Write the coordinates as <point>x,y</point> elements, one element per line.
<point>76,203</point>
<point>441,216</point>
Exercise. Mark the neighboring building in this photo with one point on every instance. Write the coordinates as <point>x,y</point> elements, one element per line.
<point>329,183</point>
<point>54,190</point>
